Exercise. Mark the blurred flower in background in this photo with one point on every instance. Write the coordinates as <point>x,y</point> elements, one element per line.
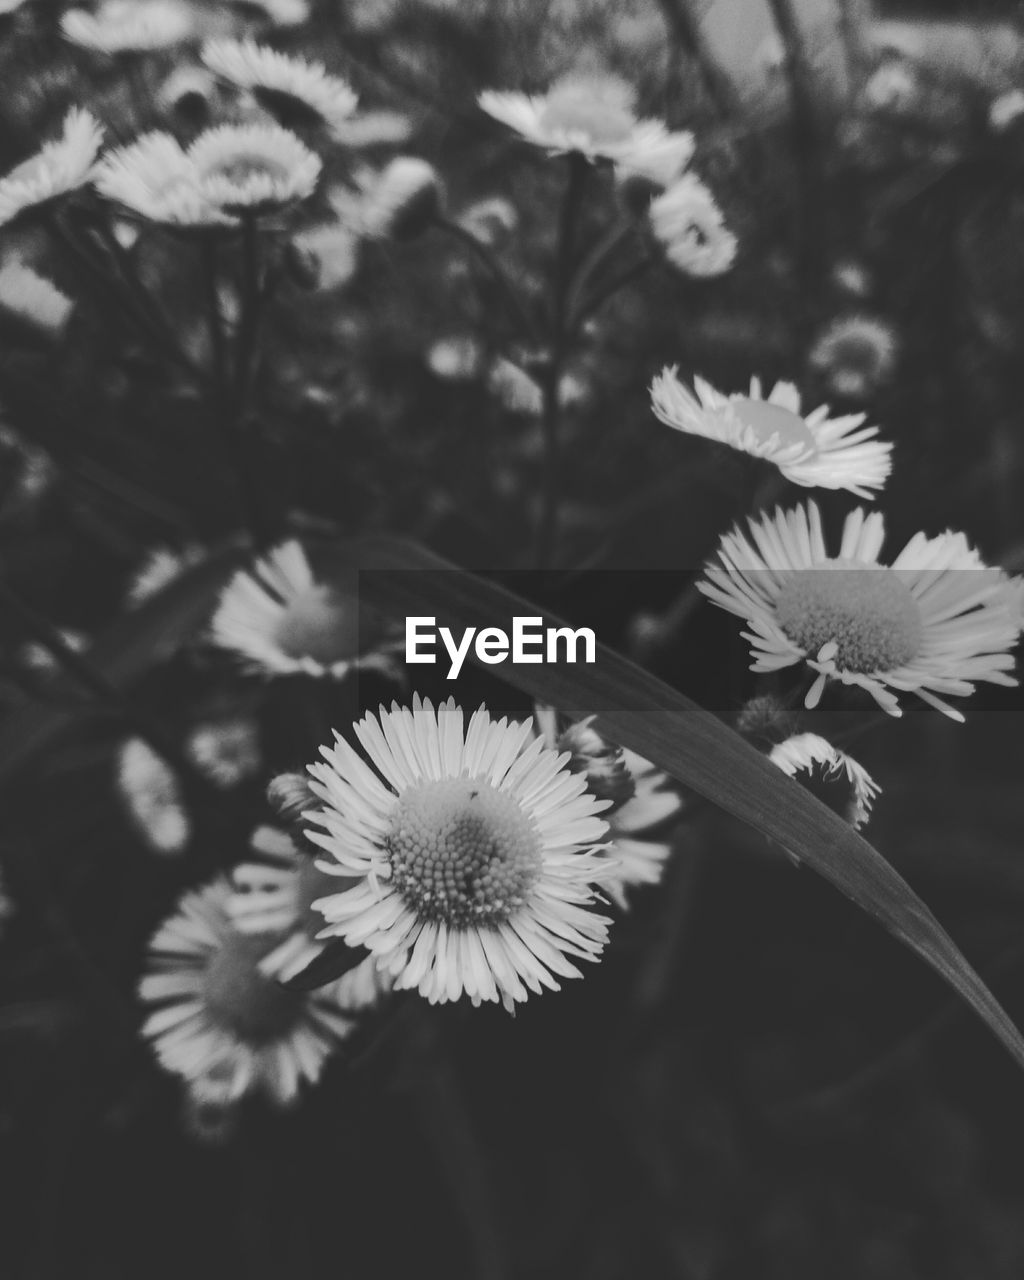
<point>152,797</point>
<point>60,167</point>
<point>855,355</point>
<point>690,227</point>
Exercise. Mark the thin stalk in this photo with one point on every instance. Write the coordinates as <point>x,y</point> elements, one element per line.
<point>611,287</point>
<point>489,260</point>
<point>551,480</point>
<point>601,251</point>
<point>211,276</point>
<point>80,671</point>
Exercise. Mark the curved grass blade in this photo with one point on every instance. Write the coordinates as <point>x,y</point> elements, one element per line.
<point>134,645</point>
<point>646,715</point>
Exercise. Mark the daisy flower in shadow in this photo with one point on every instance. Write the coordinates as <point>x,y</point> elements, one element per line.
<point>281,621</point>
<point>274,892</point>
<point>297,92</point>
<point>221,1024</point>
<point>594,116</point>
<point>810,449</point>
<point>252,168</point>
<point>155,178</point>
<point>641,797</point>
<point>808,753</point>
<point>58,168</point>
<point>932,623</point>
<point>471,853</point>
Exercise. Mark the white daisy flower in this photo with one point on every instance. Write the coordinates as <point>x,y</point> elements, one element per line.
<point>644,800</point>
<point>281,621</point>
<point>189,92</point>
<point>227,750</point>
<point>455,359</point>
<point>1005,109</point>
<point>473,851</point>
<point>301,92</point>
<point>812,450</point>
<point>893,86</point>
<point>810,753</point>
<point>33,298</point>
<point>249,168</point>
<point>855,354</point>
<point>275,892</point>
<point>374,129</point>
<point>332,252</point>
<point>594,116</point>
<point>691,229</point>
<point>220,1023</point>
<point>284,13</point>
<point>10,6</point>
<point>933,622</point>
<point>152,797</point>
<point>154,178</point>
<point>61,166</point>
<point>123,26</point>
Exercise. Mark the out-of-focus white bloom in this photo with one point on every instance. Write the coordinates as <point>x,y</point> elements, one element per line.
<point>1005,109</point>
<point>156,179</point>
<point>124,26</point>
<point>813,450</point>
<point>807,752</point>
<point>298,91</point>
<point>274,892</point>
<point>401,200</point>
<point>61,166</point>
<point>334,253</point>
<point>514,388</point>
<point>469,855</point>
<point>219,1022</point>
<point>691,229</point>
<point>855,354</point>
<point>455,359</point>
<point>159,568</point>
<point>891,87</point>
<point>852,277</point>
<point>188,91</point>
<point>594,116</point>
<point>252,168</point>
<point>374,129</point>
<point>281,621</point>
<point>33,298</point>
<point>932,623</point>
<point>37,657</point>
<point>152,797</point>
<point>285,13</point>
<point>10,6</point>
<point>491,221</point>
<point>644,807</point>
<point>226,750</point>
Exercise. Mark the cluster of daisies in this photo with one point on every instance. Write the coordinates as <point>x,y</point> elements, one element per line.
<point>934,622</point>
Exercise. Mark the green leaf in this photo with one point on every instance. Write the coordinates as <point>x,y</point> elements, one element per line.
<point>136,643</point>
<point>642,713</point>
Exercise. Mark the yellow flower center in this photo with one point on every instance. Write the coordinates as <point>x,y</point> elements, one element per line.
<point>599,110</point>
<point>321,625</point>
<point>767,420</point>
<point>462,852</point>
<point>253,1008</point>
<point>868,612</point>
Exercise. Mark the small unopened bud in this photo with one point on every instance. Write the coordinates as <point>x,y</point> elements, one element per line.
<point>608,775</point>
<point>290,795</point>
<point>766,721</point>
<point>407,200</point>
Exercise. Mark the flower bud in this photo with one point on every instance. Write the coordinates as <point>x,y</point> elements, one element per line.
<point>290,795</point>
<point>608,775</point>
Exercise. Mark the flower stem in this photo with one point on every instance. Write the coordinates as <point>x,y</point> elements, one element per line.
<point>483,253</point>
<point>551,481</point>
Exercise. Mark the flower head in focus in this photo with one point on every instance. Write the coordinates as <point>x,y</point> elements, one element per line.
<point>811,754</point>
<point>128,26</point>
<point>470,852</point>
<point>643,800</point>
<point>218,1021</point>
<point>297,92</point>
<point>253,168</point>
<point>812,450</point>
<point>855,354</point>
<point>281,621</point>
<point>932,623</point>
<point>58,168</point>
<point>594,116</point>
<point>151,793</point>
<point>691,229</point>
